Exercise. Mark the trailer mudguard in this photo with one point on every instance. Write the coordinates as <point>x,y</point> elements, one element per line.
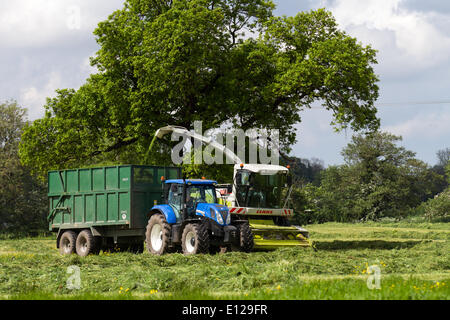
<point>168,212</point>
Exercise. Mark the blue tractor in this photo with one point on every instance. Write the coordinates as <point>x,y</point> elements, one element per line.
<point>192,219</point>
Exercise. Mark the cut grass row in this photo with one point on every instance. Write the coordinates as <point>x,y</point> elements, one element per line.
<point>392,287</point>
<point>411,268</point>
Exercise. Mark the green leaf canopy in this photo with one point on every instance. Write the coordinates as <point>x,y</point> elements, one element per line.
<point>225,62</point>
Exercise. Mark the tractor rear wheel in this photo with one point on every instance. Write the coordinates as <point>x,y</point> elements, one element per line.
<point>195,239</point>
<point>157,236</point>
<point>86,243</point>
<point>67,242</point>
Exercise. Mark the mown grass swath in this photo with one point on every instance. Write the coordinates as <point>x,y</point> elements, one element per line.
<point>414,260</point>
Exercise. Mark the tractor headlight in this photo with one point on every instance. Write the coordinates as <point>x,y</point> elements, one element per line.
<point>216,215</point>
<point>228,218</point>
<point>219,218</point>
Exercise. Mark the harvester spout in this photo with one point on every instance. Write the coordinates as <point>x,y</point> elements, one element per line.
<point>161,132</point>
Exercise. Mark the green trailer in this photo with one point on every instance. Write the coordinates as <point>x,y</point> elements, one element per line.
<point>104,207</point>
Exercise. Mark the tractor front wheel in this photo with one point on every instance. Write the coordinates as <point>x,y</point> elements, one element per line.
<point>157,236</point>
<point>195,239</point>
<point>246,240</point>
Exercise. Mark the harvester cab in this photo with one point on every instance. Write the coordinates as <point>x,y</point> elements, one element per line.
<point>192,217</point>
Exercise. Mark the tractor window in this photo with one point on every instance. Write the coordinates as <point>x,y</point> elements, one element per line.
<point>196,194</point>
<point>193,193</point>
<point>210,195</point>
<point>174,198</point>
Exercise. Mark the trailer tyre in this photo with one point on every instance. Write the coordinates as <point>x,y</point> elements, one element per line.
<point>86,243</point>
<point>157,235</point>
<point>67,242</point>
<point>195,239</point>
<point>245,238</point>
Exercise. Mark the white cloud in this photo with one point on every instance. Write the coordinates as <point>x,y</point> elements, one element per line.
<point>433,125</point>
<point>408,41</point>
<point>34,98</point>
<point>44,46</point>
<point>39,23</point>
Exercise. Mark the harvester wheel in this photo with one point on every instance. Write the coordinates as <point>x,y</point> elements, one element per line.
<point>245,238</point>
<point>86,243</point>
<point>195,239</point>
<point>67,242</point>
<point>157,236</point>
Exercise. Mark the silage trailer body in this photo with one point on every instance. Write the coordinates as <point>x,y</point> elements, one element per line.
<point>112,201</point>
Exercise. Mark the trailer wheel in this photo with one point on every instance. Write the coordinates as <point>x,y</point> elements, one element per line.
<point>67,242</point>
<point>195,239</point>
<point>245,238</point>
<point>86,243</point>
<point>157,236</point>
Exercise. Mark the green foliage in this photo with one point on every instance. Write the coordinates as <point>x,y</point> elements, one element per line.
<point>174,62</point>
<point>306,170</point>
<point>447,171</point>
<point>379,179</point>
<point>22,198</point>
<point>439,207</point>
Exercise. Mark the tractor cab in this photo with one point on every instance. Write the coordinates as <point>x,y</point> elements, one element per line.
<point>190,199</point>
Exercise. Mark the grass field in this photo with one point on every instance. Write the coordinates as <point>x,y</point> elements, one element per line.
<point>413,258</point>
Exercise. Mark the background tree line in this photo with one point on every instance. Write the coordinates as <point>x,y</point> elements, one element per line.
<point>23,197</point>
<point>378,179</point>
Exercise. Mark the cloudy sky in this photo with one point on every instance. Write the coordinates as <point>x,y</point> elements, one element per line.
<point>46,45</point>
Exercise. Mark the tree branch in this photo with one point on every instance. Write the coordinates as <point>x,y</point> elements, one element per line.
<point>116,146</point>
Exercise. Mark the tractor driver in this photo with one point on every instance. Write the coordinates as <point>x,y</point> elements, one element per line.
<point>192,198</point>
<point>189,204</point>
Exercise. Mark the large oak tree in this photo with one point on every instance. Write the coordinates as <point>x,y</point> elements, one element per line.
<point>225,62</point>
